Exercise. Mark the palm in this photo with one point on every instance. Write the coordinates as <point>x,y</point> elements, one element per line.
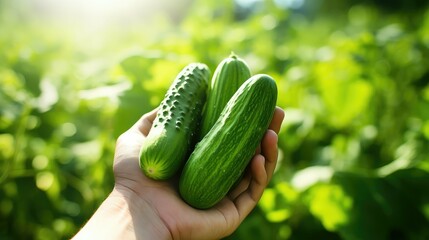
<point>179,218</point>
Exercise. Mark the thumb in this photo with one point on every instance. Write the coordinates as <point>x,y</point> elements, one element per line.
<point>145,122</point>
<point>129,143</point>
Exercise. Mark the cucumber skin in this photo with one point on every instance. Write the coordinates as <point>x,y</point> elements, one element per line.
<point>222,156</point>
<point>172,136</point>
<point>229,75</point>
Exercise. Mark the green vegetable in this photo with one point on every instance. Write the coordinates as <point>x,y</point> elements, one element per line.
<point>172,136</point>
<point>229,75</point>
<point>221,157</point>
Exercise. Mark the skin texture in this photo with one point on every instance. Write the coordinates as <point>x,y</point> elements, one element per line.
<point>141,208</point>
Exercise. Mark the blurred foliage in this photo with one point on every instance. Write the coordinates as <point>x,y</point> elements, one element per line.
<point>353,78</point>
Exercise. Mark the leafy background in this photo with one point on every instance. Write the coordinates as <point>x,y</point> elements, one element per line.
<point>353,78</point>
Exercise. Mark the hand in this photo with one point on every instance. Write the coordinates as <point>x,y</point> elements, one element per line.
<point>155,210</point>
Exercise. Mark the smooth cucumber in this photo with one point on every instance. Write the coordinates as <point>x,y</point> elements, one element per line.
<point>222,156</point>
<point>229,75</point>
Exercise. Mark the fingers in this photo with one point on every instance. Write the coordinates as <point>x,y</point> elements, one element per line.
<point>261,169</point>
<point>247,194</point>
<point>269,150</point>
<point>247,200</point>
<point>241,186</point>
<point>259,178</point>
<point>275,124</point>
<point>241,200</point>
<point>277,120</point>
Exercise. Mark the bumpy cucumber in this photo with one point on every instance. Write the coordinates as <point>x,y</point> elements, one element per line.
<point>221,157</point>
<point>172,135</point>
<point>229,75</point>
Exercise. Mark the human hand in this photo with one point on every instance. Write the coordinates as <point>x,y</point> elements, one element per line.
<point>150,209</point>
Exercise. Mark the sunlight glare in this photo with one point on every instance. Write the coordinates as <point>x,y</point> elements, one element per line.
<point>96,14</point>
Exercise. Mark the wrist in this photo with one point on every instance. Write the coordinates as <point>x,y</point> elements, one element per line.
<point>123,215</point>
<point>145,220</point>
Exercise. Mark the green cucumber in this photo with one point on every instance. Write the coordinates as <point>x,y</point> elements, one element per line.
<point>229,75</point>
<point>172,136</point>
<point>222,156</point>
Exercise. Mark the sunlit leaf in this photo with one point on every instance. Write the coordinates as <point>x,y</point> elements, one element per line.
<point>346,95</point>
<point>331,205</point>
<point>278,215</point>
<point>268,200</point>
<point>277,202</point>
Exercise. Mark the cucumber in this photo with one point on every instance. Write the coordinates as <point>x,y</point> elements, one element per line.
<point>172,136</point>
<point>229,75</point>
<point>222,156</point>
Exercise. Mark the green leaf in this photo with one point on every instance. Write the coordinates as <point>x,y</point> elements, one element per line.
<point>331,205</point>
<point>344,93</point>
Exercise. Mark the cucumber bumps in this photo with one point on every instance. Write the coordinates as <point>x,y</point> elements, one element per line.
<point>228,141</point>
<point>172,135</point>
